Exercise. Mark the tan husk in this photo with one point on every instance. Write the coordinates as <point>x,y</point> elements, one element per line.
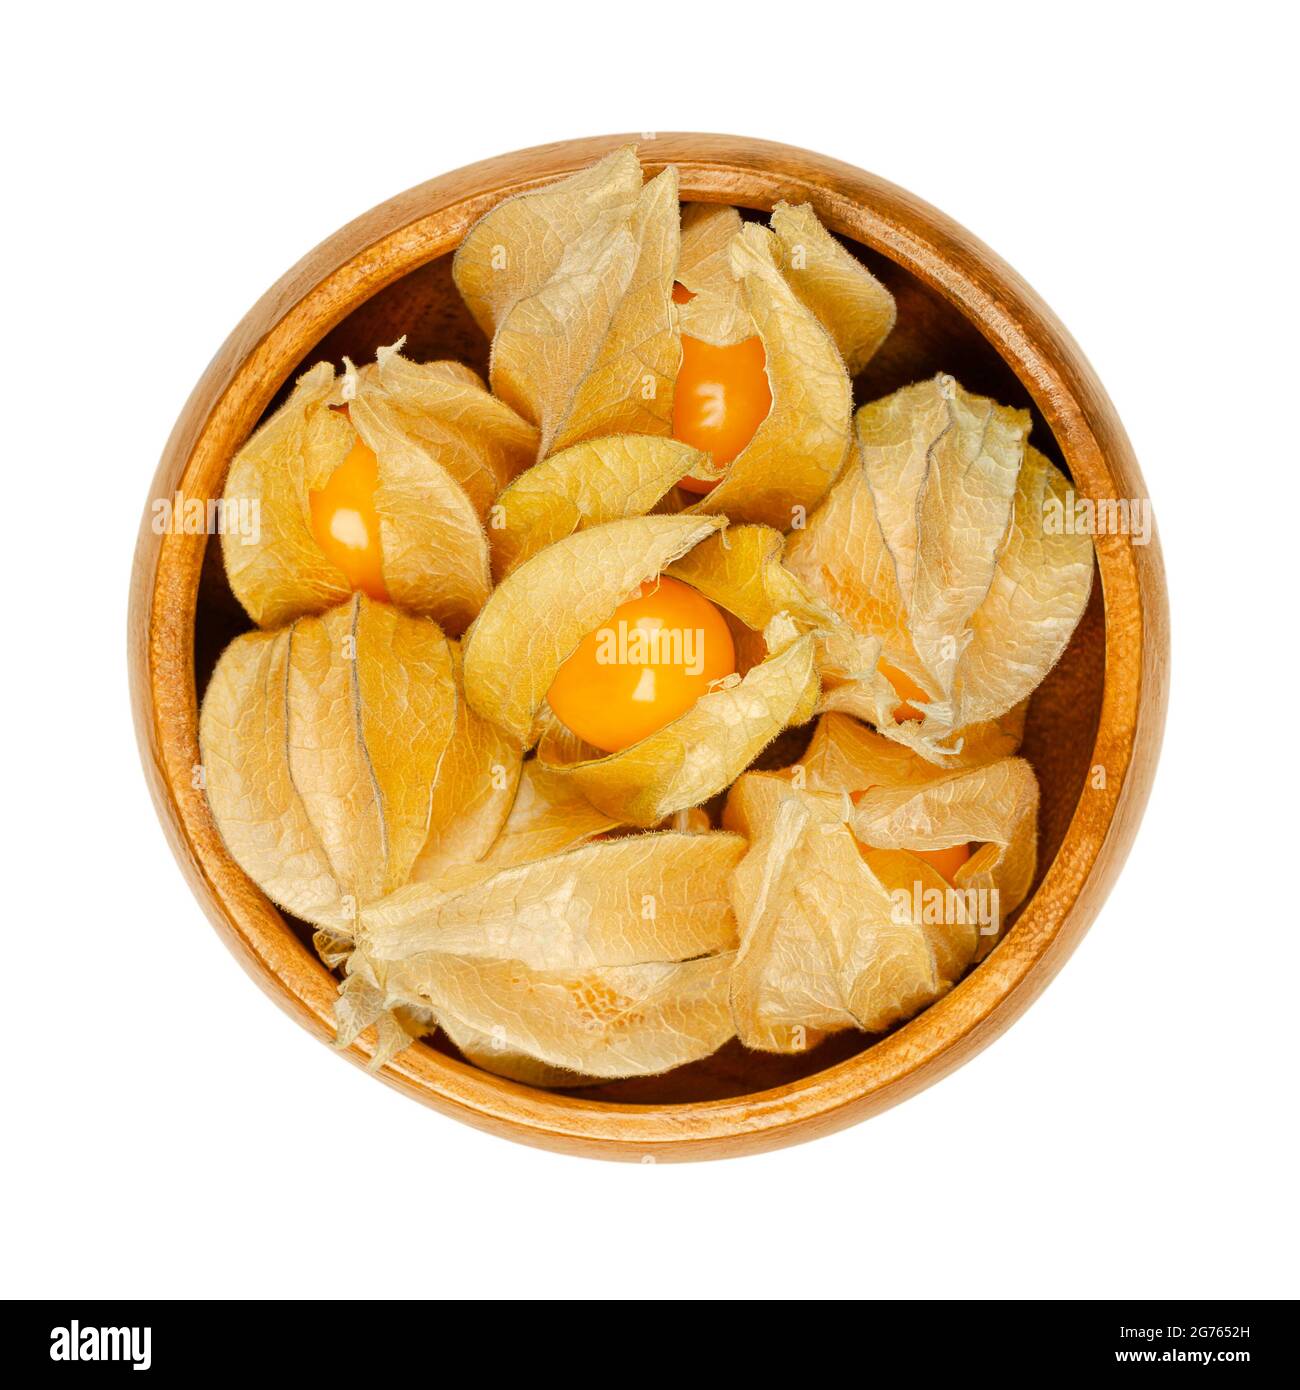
<point>609,960</point>
<point>491,1052</point>
<point>624,901</point>
<point>322,747</point>
<point>841,923</point>
<point>360,1005</point>
<point>820,950</point>
<point>435,558</point>
<point>540,612</point>
<point>435,554</point>
<point>994,805</point>
<point>785,469</point>
<point>282,573</point>
<point>851,304</point>
<point>446,407</point>
<point>549,814</point>
<point>628,1020</point>
<point>932,541</point>
<point>512,251</point>
<point>477,788</point>
<point>844,755</point>
<point>717,313</point>
<point>584,339</point>
<point>622,475</point>
<point>740,569</point>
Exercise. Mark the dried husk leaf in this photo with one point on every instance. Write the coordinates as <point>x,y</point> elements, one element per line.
<point>795,454</point>
<point>446,408</point>
<point>516,248</point>
<point>740,569</point>
<point>609,960</point>
<point>931,536</point>
<point>844,755</point>
<point>549,814</point>
<point>322,745</point>
<point>436,560</point>
<point>244,737</point>
<point>623,475</point>
<point>476,791</point>
<point>717,314</point>
<point>701,752</point>
<point>994,805</point>
<point>282,573</point>
<point>435,557</point>
<point>629,1020</point>
<point>537,616</point>
<point>491,1052</point>
<point>1039,591</point>
<point>360,1005</point>
<point>625,901</point>
<point>851,304</point>
<point>821,948</point>
<point>593,349</point>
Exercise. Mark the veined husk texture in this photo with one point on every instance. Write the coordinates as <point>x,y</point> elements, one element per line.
<point>842,925</point>
<point>536,618</point>
<point>933,542</point>
<point>445,447</point>
<point>349,779</point>
<point>608,960</point>
<point>573,283</point>
<point>340,759</point>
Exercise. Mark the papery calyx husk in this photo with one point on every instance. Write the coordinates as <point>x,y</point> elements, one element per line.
<point>548,815</point>
<point>573,282</point>
<point>933,542</point>
<point>796,452</point>
<point>845,755</point>
<point>442,445</point>
<point>327,758</point>
<point>716,313</point>
<point>847,299</point>
<point>608,960</point>
<point>992,805</point>
<point>447,407</point>
<point>820,949</point>
<point>609,479</point>
<point>544,607</point>
<point>841,923</point>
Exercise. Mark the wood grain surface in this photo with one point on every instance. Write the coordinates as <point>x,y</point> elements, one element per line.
<point>1094,728</point>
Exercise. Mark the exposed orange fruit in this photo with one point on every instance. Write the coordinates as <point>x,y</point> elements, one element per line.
<point>642,668</point>
<point>345,523</point>
<point>721,397</point>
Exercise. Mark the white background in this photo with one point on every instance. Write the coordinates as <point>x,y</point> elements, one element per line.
<point>169,1132</point>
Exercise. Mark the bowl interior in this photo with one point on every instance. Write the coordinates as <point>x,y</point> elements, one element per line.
<point>931,335</point>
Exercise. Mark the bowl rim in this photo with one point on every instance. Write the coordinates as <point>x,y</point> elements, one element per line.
<point>428,221</point>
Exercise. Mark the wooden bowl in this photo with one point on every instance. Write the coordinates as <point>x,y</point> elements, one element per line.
<point>1094,726</point>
